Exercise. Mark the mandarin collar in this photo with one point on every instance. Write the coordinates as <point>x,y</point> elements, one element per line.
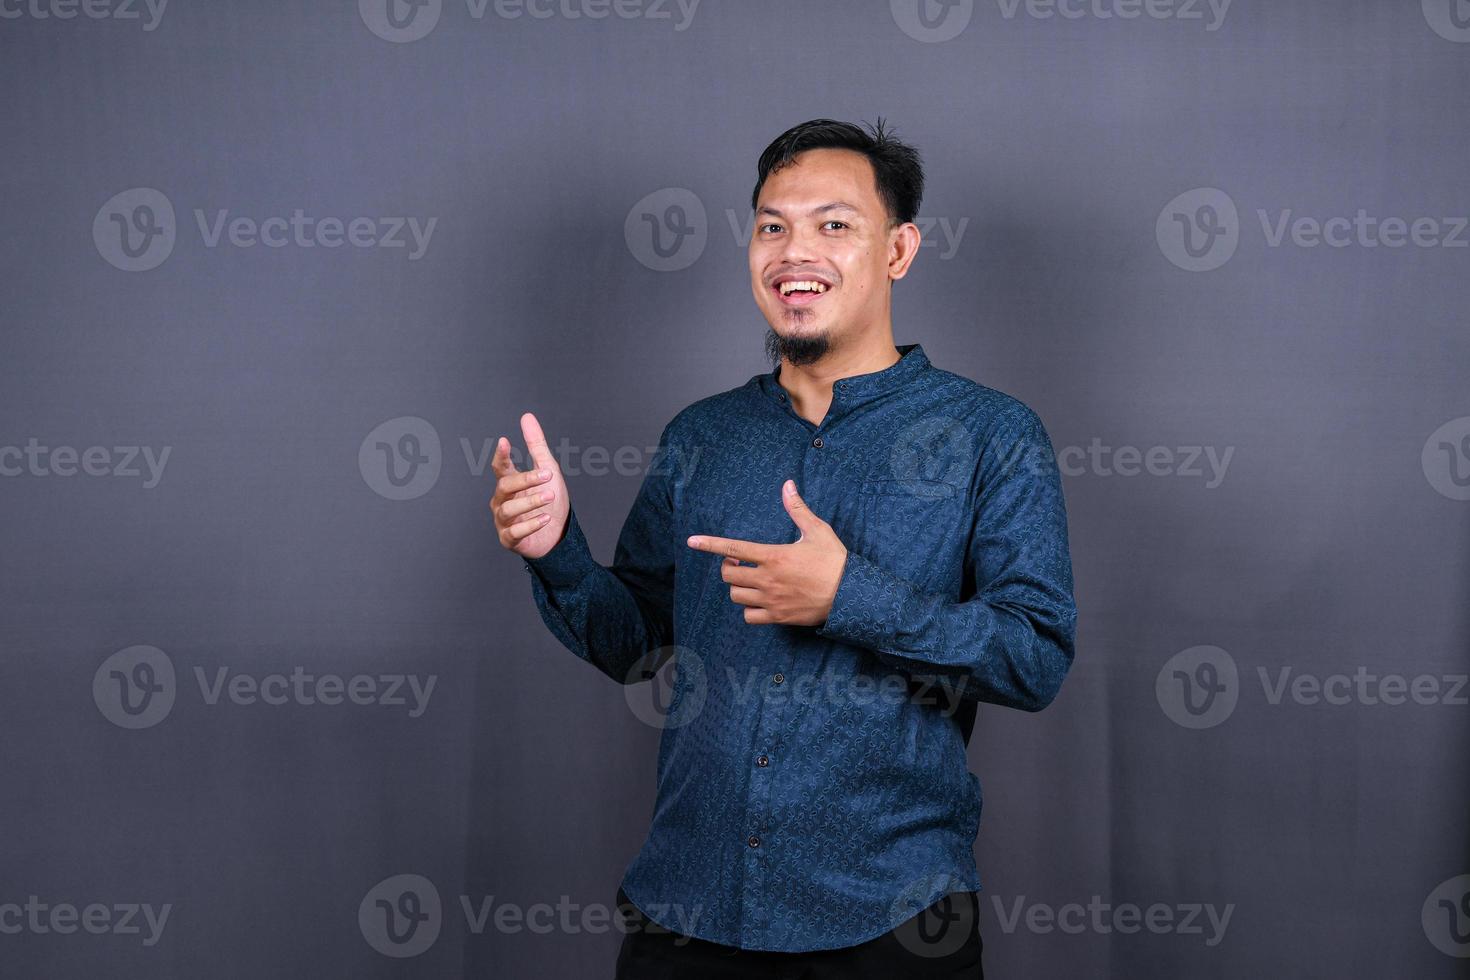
<point>862,387</point>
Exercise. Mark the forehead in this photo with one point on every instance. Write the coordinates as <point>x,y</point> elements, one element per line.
<point>829,174</point>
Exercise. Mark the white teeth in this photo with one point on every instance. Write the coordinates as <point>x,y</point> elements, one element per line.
<point>787,288</point>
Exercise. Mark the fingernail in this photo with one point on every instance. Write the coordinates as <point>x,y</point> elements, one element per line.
<point>546,495</point>
<point>543,474</point>
<point>544,518</point>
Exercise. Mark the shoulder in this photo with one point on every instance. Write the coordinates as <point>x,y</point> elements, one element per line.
<point>726,408</point>
<point>986,411</point>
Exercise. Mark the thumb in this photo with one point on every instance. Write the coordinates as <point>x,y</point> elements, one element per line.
<point>801,514</point>
<point>500,463</point>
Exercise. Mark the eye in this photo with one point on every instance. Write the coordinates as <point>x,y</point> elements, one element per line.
<point>765,228</point>
<point>842,224</point>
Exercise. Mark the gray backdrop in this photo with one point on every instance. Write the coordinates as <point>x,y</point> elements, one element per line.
<point>277,276</point>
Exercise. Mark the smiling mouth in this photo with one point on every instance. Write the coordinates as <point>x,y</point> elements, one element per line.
<point>801,292</point>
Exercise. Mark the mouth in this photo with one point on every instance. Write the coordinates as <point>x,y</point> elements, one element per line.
<point>799,292</point>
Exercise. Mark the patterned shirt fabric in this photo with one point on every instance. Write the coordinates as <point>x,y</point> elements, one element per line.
<point>813,790</point>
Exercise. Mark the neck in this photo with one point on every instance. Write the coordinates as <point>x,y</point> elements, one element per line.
<point>810,385</point>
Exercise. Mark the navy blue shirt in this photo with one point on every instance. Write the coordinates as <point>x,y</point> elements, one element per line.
<point>813,789</point>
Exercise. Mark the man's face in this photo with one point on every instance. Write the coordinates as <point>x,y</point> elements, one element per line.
<point>820,220</point>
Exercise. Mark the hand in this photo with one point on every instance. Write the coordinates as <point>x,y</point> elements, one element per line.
<point>792,583</point>
<point>530,508</point>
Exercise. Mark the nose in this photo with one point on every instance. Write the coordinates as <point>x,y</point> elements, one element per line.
<point>798,247</point>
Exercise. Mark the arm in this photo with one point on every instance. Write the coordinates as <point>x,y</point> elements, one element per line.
<point>1012,642</point>
<point>612,616</point>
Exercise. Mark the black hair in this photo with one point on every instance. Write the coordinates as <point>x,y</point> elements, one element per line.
<point>896,165</point>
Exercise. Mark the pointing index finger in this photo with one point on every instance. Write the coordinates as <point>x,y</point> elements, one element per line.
<point>751,551</point>
<point>536,441</point>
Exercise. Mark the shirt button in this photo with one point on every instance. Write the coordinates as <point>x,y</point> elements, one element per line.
<point>817,442</point>
<point>779,678</point>
<point>763,762</point>
<point>753,841</point>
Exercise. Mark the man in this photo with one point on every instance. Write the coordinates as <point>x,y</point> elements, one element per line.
<point>846,556</point>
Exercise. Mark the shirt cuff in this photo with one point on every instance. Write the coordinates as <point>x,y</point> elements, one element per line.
<point>869,605</point>
<point>566,564</point>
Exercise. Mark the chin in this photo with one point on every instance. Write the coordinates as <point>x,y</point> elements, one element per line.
<point>788,321</point>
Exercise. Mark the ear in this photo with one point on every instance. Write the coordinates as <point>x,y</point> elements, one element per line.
<point>903,246</point>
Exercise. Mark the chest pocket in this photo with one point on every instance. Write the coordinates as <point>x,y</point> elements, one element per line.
<point>916,529</point>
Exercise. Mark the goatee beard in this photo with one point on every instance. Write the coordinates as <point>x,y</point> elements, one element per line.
<point>799,351</point>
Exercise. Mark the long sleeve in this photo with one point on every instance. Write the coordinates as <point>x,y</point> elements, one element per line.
<point>1013,641</point>
<point>612,616</point>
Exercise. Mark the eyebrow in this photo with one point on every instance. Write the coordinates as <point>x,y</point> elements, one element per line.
<point>834,206</point>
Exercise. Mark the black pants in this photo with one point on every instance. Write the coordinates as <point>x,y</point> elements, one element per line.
<point>941,941</point>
